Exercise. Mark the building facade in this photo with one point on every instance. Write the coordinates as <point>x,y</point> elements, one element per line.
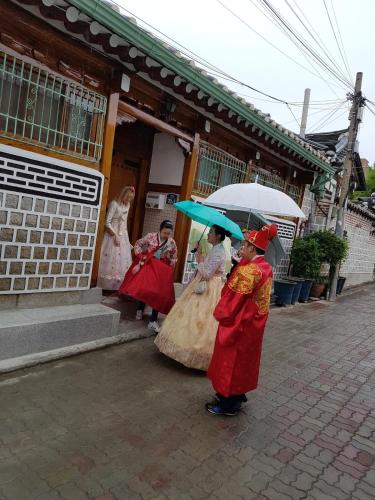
<point>90,102</point>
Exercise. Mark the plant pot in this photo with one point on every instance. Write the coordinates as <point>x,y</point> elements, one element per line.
<point>305,291</point>
<point>317,290</point>
<point>340,285</point>
<point>284,292</point>
<point>297,289</point>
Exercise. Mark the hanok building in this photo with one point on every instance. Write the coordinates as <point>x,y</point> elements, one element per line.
<point>90,102</point>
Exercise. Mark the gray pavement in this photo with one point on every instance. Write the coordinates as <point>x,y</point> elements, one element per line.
<point>127,423</point>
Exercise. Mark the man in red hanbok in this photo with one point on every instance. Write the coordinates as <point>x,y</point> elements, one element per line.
<point>242,313</point>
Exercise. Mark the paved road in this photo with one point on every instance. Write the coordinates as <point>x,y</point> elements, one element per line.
<point>126,423</point>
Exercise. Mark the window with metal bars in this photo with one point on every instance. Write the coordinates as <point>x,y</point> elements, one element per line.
<point>216,169</point>
<point>40,107</point>
<point>269,179</point>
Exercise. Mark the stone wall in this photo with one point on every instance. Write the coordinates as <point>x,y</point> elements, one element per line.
<point>49,211</point>
<point>360,265</point>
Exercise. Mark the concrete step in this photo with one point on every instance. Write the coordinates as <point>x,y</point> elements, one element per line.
<point>31,336</point>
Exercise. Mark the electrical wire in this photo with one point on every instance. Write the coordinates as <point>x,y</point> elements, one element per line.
<point>334,34</point>
<point>316,39</point>
<point>346,61</point>
<point>315,71</point>
<point>302,44</point>
<point>314,113</point>
<point>294,116</point>
<point>305,45</point>
<point>324,121</point>
<point>228,9</point>
<point>212,69</point>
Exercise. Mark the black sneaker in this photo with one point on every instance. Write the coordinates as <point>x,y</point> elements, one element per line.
<point>216,409</point>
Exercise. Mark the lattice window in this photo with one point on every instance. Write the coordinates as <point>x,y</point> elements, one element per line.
<point>41,107</point>
<point>217,169</point>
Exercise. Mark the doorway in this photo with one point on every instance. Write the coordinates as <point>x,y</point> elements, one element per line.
<point>124,173</point>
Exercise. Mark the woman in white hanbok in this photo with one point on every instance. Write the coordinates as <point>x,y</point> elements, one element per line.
<point>115,256</point>
<point>189,331</point>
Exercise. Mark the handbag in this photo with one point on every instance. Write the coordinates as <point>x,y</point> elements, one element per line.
<point>201,287</point>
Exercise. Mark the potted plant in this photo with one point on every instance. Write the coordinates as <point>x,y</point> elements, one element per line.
<point>305,261</point>
<point>284,292</point>
<point>333,251</point>
<point>340,285</point>
<point>319,286</point>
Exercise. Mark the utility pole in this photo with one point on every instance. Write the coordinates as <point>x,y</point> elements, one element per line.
<point>305,110</point>
<point>347,171</point>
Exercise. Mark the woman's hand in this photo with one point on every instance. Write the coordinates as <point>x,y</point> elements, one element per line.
<point>117,240</point>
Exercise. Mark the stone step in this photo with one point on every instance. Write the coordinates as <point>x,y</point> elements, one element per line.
<point>31,336</point>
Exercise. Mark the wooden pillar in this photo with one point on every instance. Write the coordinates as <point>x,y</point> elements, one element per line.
<point>182,222</point>
<point>106,164</point>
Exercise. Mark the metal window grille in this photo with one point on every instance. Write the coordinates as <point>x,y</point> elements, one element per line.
<point>276,182</point>
<point>40,107</point>
<point>216,169</point>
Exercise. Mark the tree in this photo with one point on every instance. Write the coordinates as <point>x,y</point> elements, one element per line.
<point>370,182</point>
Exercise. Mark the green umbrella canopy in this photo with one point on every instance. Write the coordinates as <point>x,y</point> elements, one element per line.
<point>209,217</point>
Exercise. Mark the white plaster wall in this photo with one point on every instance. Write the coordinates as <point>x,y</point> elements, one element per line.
<point>167,163</point>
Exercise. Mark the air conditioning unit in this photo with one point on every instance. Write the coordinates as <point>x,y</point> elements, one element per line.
<point>155,201</point>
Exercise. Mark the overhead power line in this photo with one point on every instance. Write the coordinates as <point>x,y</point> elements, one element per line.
<point>313,34</point>
<point>346,62</point>
<point>334,34</point>
<point>316,72</point>
<point>228,9</point>
<point>304,45</point>
<point>326,119</point>
<point>211,68</point>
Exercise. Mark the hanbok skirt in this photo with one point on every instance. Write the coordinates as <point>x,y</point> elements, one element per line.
<point>114,261</point>
<point>152,284</point>
<point>188,333</point>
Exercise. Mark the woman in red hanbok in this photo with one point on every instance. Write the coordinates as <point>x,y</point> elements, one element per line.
<point>242,313</point>
<point>150,278</point>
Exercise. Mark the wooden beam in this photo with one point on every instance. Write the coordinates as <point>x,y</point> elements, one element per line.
<point>153,122</point>
<point>106,164</point>
<point>182,228</point>
<point>163,188</point>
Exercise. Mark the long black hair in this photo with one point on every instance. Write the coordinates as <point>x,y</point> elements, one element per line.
<point>221,232</point>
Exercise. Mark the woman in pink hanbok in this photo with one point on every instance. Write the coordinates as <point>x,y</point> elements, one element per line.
<point>115,256</point>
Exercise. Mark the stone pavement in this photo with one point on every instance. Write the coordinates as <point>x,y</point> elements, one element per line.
<point>127,423</point>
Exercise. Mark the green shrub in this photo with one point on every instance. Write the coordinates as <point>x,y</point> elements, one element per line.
<point>333,249</point>
<point>305,258</point>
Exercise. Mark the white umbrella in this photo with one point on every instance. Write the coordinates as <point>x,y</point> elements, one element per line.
<point>253,197</point>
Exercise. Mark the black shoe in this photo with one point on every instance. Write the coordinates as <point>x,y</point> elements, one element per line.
<point>216,409</point>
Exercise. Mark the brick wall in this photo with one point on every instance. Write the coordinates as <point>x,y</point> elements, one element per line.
<point>153,217</point>
<point>48,222</point>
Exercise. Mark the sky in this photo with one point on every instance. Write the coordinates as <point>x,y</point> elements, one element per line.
<point>209,30</point>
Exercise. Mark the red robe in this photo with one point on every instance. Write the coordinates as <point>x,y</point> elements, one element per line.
<point>242,314</point>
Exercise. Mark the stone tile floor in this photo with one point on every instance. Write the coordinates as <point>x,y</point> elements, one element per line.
<point>127,423</point>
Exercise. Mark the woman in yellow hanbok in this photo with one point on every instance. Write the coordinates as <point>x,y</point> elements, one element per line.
<point>188,332</point>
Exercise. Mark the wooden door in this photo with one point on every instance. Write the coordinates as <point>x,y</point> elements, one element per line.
<point>123,173</point>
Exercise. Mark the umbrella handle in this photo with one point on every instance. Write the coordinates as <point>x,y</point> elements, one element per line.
<point>200,239</point>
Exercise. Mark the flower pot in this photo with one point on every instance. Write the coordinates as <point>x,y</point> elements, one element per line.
<point>340,285</point>
<point>317,290</point>
<point>284,292</point>
<point>305,291</point>
<point>297,289</point>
